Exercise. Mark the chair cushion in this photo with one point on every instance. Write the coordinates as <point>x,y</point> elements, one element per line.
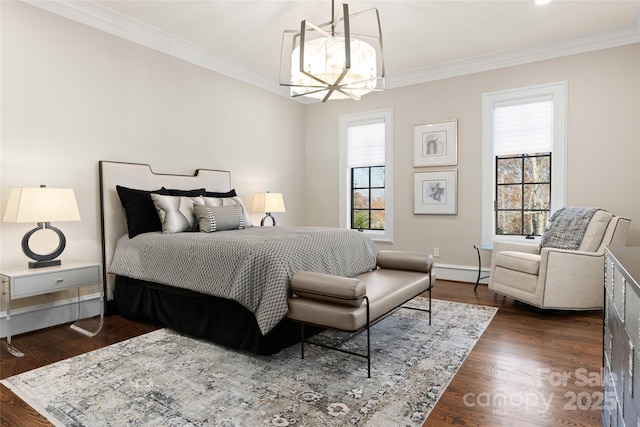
<point>329,288</point>
<point>595,231</point>
<point>519,261</point>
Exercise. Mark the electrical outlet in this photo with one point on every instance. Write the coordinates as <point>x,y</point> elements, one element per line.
<point>436,252</point>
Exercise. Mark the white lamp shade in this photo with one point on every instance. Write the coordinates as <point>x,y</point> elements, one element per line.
<point>268,202</point>
<point>339,59</point>
<point>41,205</point>
<point>325,59</point>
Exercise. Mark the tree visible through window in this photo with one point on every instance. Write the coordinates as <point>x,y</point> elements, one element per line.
<point>367,192</point>
<point>523,194</point>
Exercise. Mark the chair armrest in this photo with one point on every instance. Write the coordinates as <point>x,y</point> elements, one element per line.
<point>529,248</point>
<point>569,252</point>
<point>570,265</point>
<point>401,260</point>
<point>329,288</point>
<point>572,278</point>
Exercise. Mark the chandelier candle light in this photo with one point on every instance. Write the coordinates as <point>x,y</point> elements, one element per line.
<point>340,59</point>
<point>42,206</point>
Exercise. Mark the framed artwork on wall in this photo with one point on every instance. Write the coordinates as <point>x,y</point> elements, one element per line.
<point>435,144</point>
<point>435,192</point>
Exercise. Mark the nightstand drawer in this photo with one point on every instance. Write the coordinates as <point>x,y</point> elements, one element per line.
<point>54,281</point>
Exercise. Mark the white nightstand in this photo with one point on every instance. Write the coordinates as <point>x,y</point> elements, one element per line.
<point>26,282</point>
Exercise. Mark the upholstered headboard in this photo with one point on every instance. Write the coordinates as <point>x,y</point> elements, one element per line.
<point>140,176</point>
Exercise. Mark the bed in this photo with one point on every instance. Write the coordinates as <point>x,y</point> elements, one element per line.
<point>209,273</point>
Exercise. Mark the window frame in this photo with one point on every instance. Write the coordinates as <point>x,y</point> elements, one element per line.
<point>345,193</point>
<point>558,92</point>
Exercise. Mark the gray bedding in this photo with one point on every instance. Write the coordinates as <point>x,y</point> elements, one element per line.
<point>251,266</point>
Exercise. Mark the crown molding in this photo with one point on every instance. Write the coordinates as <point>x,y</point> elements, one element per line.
<point>541,52</point>
<point>104,19</point>
<point>115,23</point>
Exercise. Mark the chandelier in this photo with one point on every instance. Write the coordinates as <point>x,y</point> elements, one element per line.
<point>339,59</point>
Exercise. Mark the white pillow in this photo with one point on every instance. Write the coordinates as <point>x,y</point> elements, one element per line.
<point>176,212</point>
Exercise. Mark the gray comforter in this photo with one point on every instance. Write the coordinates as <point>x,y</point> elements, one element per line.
<point>251,266</point>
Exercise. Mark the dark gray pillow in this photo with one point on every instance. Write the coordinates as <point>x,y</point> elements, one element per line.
<point>219,218</point>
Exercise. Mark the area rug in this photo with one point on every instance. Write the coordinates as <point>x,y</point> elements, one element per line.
<point>166,379</point>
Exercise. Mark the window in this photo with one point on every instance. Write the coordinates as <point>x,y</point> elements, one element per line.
<point>523,194</point>
<point>524,145</point>
<point>367,202</point>
<point>366,173</point>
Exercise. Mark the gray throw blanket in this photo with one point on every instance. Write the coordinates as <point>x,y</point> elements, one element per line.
<point>567,227</point>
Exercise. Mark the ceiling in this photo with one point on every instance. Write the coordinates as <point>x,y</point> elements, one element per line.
<point>423,40</point>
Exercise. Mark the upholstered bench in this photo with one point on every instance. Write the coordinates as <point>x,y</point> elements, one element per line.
<point>354,304</point>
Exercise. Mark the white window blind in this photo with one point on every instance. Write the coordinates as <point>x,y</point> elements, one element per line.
<point>523,126</point>
<point>365,144</point>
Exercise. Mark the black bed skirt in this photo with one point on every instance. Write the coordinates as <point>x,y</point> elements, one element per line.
<point>203,316</point>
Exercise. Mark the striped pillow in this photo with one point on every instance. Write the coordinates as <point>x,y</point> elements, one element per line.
<point>219,218</point>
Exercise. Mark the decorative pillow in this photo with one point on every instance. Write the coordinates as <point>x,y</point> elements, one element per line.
<point>187,193</point>
<point>176,212</point>
<point>219,218</point>
<point>141,213</point>
<point>230,193</point>
<point>229,201</point>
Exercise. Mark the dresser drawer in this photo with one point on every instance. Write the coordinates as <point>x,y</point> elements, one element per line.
<point>632,314</point>
<point>54,281</point>
<point>619,290</point>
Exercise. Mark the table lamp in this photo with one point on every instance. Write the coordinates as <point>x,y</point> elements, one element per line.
<point>42,205</point>
<point>268,203</point>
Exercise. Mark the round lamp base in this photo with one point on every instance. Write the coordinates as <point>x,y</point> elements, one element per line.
<point>46,260</point>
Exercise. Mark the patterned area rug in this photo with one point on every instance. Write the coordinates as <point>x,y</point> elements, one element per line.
<point>166,379</point>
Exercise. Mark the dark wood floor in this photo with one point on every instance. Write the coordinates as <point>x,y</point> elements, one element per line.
<point>529,368</point>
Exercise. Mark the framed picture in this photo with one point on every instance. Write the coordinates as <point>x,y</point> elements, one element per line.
<point>435,192</point>
<point>435,144</point>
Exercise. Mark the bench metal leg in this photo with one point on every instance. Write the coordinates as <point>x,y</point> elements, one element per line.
<point>368,328</point>
<point>430,287</point>
<point>421,309</point>
<point>368,340</point>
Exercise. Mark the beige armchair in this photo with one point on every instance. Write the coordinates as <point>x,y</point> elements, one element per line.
<point>558,278</point>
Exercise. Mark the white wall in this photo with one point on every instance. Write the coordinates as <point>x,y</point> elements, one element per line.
<point>603,146</point>
<point>72,95</point>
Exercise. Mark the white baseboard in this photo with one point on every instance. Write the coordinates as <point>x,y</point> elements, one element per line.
<point>459,273</point>
<point>51,314</point>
